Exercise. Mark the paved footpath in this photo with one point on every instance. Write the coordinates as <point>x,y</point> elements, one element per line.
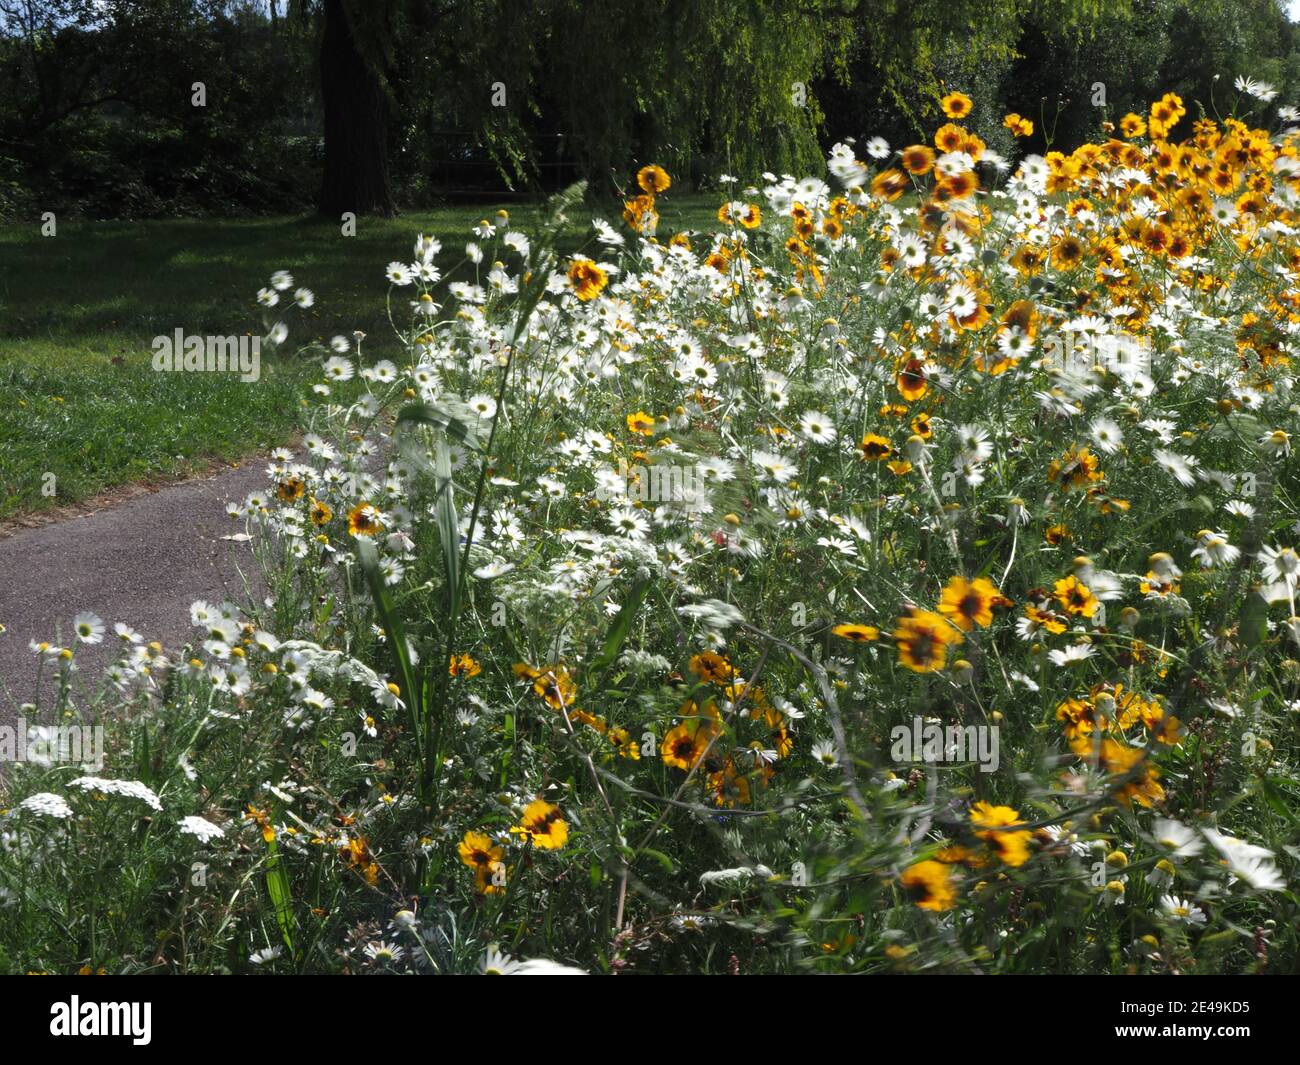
<point>141,561</point>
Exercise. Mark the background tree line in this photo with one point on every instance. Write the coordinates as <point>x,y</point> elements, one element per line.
<point>367,105</point>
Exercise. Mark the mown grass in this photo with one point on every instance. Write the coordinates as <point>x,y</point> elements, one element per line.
<point>78,311</point>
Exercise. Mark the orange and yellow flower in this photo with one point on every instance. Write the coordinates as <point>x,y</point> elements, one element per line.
<point>653,179</point>
<point>543,826</point>
<point>970,603</point>
<point>923,638</point>
<point>956,105</point>
<point>929,884</point>
<point>588,279</point>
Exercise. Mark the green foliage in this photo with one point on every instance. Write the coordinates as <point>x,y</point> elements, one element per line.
<point>542,92</point>
<point>1189,47</point>
<point>99,110</point>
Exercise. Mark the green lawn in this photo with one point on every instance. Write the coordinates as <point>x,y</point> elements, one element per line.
<point>78,311</point>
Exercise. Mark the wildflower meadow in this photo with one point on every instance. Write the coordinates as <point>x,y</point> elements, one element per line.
<point>640,618</point>
<point>894,572</point>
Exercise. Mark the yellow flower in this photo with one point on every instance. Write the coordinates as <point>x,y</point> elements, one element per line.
<point>889,185</point>
<point>911,381</point>
<point>783,742</point>
<point>1045,619</point>
<point>320,513</point>
<point>1067,253</point>
<point>478,851</point>
<point>363,520</point>
<point>856,633</point>
<point>918,159</point>
<point>653,179</point>
<point>1012,847</point>
<point>1131,764</point>
<point>491,879</point>
<point>685,745</point>
<point>956,105</point>
<point>356,852</point>
<point>483,856</point>
<point>729,787</point>
<point>1076,598</point>
<point>970,603</point>
<point>464,666</point>
<point>587,279</point>
<point>929,885</point>
<point>950,137</point>
<point>875,447</point>
<point>1165,114</point>
<point>543,826</point>
<point>641,423</point>
<point>1054,534</point>
<point>639,213</point>
<point>923,638</point>
<point>712,667</point>
<point>1019,126</point>
<point>290,490</point>
<point>263,820</point>
<point>623,742</point>
<point>1132,126</point>
<point>551,683</point>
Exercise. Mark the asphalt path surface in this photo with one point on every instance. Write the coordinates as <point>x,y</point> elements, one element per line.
<point>141,561</point>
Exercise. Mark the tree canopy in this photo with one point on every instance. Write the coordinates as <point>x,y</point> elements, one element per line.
<point>185,106</point>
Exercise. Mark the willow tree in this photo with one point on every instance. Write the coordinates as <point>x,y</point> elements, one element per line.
<point>904,53</point>
<point>697,85</point>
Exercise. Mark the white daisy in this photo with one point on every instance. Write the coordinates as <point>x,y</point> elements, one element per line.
<point>88,627</point>
<point>1177,838</point>
<point>1182,910</point>
<point>1106,435</point>
<point>1280,564</point>
<point>1072,654</point>
<point>1213,549</point>
<point>816,427</point>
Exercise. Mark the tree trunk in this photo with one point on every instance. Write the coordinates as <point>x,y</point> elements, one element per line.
<point>356,124</point>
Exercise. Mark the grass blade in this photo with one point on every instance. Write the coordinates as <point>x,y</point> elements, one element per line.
<point>393,627</point>
<point>277,885</point>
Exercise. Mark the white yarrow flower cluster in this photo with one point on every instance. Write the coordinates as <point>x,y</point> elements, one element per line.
<point>201,828</point>
<point>131,789</point>
<point>47,804</point>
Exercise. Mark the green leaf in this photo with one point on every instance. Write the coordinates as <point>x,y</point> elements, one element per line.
<point>1277,798</point>
<point>622,625</point>
<point>1218,940</point>
<point>277,884</point>
<point>439,418</point>
<point>658,856</point>
<point>144,761</point>
<point>394,630</point>
<point>448,527</point>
